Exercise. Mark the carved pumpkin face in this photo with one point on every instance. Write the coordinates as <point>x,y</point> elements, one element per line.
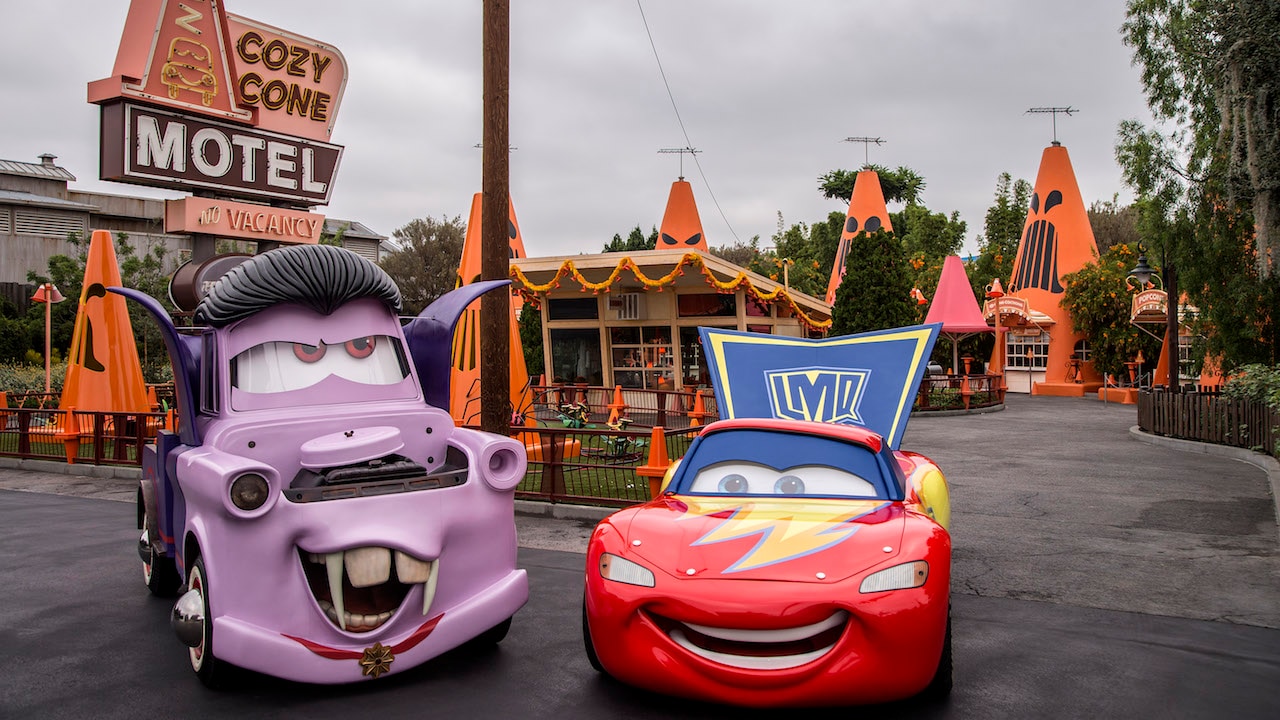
<point>1038,263</point>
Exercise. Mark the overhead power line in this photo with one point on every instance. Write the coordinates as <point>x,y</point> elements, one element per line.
<point>688,142</point>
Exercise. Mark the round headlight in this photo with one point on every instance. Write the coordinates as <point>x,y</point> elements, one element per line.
<point>249,491</point>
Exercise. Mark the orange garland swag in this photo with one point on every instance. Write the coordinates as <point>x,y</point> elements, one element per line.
<point>567,269</point>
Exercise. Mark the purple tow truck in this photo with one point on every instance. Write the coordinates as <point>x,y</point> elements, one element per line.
<point>325,519</point>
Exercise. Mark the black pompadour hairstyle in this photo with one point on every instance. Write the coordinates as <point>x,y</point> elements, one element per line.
<point>319,277</point>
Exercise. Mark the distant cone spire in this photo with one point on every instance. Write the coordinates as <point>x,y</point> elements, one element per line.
<point>103,372</point>
<point>681,227</point>
<point>464,383</point>
<point>867,213</point>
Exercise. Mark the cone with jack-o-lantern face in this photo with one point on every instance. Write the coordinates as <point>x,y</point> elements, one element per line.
<point>464,382</point>
<point>867,213</point>
<point>103,372</point>
<point>681,227</point>
<point>1056,240</point>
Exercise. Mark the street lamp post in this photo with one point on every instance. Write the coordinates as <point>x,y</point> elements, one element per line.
<point>47,294</point>
<point>994,293</point>
<point>1144,274</point>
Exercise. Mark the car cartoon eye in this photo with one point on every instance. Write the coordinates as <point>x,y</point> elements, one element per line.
<point>745,478</point>
<point>281,366</point>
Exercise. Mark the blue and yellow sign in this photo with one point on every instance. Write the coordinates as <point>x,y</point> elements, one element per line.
<point>869,380</point>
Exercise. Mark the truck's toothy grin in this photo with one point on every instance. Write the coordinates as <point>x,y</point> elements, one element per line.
<point>757,649</point>
<point>357,588</point>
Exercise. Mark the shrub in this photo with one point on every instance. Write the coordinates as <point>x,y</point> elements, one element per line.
<point>1256,382</point>
<point>29,377</point>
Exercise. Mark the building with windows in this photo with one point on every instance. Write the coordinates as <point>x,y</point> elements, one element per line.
<point>38,210</point>
<point>1042,353</point>
<point>632,319</point>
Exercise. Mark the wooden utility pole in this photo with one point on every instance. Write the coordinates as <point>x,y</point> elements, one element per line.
<point>495,245</point>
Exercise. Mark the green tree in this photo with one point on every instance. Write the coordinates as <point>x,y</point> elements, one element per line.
<point>739,253</point>
<point>1113,224</point>
<point>635,240</point>
<point>18,334</point>
<point>1002,231</point>
<point>1211,68</point>
<point>530,327</point>
<point>335,238</point>
<point>426,265</point>
<point>903,185</point>
<point>927,239</point>
<point>794,258</point>
<point>1211,72</point>
<point>1099,302</point>
<point>875,293</point>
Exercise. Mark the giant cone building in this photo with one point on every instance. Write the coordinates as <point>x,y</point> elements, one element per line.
<point>1044,355</point>
<point>867,213</point>
<point>681,226</point>
<point>464,383</point>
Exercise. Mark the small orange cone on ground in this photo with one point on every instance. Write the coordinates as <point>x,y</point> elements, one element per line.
<point>656,468</point>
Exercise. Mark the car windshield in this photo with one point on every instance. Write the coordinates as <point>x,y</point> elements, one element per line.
<point>782,464</point>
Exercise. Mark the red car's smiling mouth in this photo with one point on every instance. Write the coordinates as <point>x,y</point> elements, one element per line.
<point>780,649</point>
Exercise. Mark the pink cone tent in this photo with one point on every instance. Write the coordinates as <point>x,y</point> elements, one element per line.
<point>956,308</point>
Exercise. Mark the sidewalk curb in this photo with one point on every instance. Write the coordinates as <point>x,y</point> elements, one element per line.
<point>561,511</point>
<point>1262,461</point>
<point>123,472</point>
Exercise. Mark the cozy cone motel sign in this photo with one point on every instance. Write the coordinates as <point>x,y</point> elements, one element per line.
<point>204,100</point>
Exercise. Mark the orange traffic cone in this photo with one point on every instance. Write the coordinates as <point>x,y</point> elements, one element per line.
<point>656,468</point>
<point>699,411</point>
<point>70,434</point>
<point>617,406</point>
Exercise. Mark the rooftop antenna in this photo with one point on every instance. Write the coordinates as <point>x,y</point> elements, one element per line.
<point>681,151</point>
<point>866,146</point>
<point>1053,111</point>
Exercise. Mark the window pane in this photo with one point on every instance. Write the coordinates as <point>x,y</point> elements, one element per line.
<point>573,308</point>
<point>575,356</point>
<point>707,305</point>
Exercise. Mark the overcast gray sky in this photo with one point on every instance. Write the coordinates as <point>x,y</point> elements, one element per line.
<point>766,89</point>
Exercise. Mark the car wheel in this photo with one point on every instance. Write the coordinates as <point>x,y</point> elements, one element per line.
<point>158,571</point>
<point>211,671</point>
<point>587,644</point>
<point>940,686</point>
<point>493,635</point>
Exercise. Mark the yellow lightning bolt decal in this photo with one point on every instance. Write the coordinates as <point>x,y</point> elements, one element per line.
<point>785,533</point>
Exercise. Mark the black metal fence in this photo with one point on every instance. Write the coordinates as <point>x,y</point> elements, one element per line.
<point>959,392</point>
<point>596,466</point>
<point>78,437</point>
<point>1207,416</point>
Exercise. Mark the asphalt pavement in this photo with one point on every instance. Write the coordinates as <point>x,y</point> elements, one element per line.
<point>1096,575</point>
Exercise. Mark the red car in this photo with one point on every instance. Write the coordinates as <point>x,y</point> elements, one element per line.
<point>786,563</point>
